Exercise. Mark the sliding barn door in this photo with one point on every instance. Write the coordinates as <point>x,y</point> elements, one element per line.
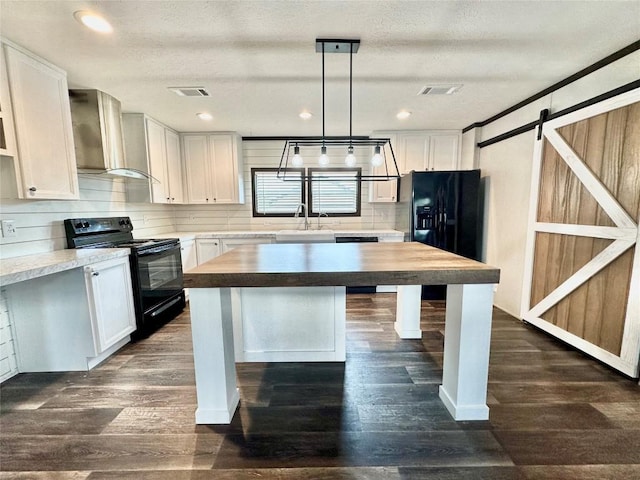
<point>583,261</point>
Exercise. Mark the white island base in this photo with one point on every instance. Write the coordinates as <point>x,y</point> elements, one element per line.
<point>289,324</point>
<point>316,317</point>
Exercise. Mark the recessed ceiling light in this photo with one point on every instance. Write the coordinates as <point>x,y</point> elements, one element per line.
<point>305,115</point>
<point>93,21</point>
<point>403,114</point>
<point>204,116</point>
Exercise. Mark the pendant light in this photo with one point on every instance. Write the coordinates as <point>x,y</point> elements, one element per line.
<point>383,157</point>
<point>377,158</point>
<point>323,160</point>
<point>297,160</point>
<point>350,159</point>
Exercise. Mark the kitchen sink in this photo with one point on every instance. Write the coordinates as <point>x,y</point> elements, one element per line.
<point>305,236</point>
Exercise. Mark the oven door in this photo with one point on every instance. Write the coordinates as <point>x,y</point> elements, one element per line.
<point>160,275</point>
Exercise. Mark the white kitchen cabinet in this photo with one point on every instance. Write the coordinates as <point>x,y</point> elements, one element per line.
<point>45,163</point>
<point>419,151</point>
<point>7,134</point>
<point>207,248</point>
<point>189,254</point>
<point>213,168</point>
<point>110,297</point>
<point>153,148</point>
<point>72,320</point>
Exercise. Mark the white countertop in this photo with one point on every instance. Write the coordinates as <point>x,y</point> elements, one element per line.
<point>19,269</point>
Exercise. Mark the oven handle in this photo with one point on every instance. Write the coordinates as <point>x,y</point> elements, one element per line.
<point>162,249</point>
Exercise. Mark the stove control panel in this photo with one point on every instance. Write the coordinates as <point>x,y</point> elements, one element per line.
<point>83,226</point>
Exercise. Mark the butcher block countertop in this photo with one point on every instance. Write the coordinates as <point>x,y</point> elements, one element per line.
<point>338,264</point>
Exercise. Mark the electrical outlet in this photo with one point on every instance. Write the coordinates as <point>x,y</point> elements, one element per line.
<point>9,228</point>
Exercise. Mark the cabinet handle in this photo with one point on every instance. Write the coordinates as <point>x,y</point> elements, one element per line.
<point>32,189</point>
<point>95,274</point>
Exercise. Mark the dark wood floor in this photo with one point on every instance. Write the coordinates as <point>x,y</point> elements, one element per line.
<point>555,414</point>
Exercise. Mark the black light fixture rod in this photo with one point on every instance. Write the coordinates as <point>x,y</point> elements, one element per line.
<point>350,90</point>
<point>323,90</point>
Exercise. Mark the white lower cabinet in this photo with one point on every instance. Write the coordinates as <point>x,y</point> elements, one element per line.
<point>72,320</point>
<point>207,248</point>
<point>189,254</point>
<point>110,297</point>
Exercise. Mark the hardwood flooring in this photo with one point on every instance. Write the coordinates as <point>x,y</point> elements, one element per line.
<point>555,414</point>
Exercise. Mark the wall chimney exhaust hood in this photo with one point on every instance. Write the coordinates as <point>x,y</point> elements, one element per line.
<point>98,136</point>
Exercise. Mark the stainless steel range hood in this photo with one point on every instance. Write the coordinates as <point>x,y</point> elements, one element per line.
<point>97,134</point>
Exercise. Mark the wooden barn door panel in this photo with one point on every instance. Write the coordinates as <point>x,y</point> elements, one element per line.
<point>583,262</point>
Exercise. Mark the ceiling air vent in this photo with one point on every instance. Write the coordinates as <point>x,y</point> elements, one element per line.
<point>190,91</point>
<point>439,89</point>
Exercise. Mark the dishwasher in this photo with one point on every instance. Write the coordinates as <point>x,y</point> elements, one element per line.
<point>352,239</point>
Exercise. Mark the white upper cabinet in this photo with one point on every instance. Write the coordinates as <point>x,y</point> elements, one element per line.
<point>7,135</point>
<point>419,151</point>
<point>213,168</point>
<point>153,148</point>
<point>174,166</point>
<point>44,162</point>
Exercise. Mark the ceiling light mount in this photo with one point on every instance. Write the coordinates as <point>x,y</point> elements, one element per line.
<point>332,45</point>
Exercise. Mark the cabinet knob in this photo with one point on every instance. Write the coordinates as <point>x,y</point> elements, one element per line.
<point>95,274</point>
<point>172,199</point>
<point>32,189</point>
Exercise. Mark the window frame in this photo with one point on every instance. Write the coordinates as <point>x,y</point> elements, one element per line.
<point>303,190</point>
<point>357,170</point>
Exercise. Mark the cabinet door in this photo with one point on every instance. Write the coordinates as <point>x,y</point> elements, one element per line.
<point>42,121</point>
<point>207,248</point>
<point>225,173</point>
<point>415,149</point>
<point>110,301</point>
<point>7,135</point>
<point>196,154</point>
<point>174,167</point>
<point>188,254</point>
<point>444,152</point>
<point>157,151</point>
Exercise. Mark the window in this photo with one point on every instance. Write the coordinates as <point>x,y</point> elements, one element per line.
<point>337,198</point>
<point>273,197</point>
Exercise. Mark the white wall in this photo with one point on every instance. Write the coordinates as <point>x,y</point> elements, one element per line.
<point>239,217</point>
<point>39,223</point>
<point>40,227</point>
<point>506,171</point>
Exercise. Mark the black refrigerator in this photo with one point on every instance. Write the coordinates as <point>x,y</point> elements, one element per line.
<point>441,209</point>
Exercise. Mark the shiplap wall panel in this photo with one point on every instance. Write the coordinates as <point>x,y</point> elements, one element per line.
<point>8,361</point>
<point>266,154</point>
<point>39,223</point>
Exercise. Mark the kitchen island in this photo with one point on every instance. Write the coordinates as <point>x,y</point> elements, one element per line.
<point>408,265</point>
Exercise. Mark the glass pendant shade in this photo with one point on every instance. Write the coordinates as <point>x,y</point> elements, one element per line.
<point>377,159</point>
<point>323,161</point>
<point>350,159</point>
<point>297,160</point>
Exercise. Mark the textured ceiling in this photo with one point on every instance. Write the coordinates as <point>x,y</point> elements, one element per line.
<point>258,60</point>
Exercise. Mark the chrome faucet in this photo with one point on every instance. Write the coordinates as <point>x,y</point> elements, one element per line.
<point>306,214</point>
<point>321,214</point>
